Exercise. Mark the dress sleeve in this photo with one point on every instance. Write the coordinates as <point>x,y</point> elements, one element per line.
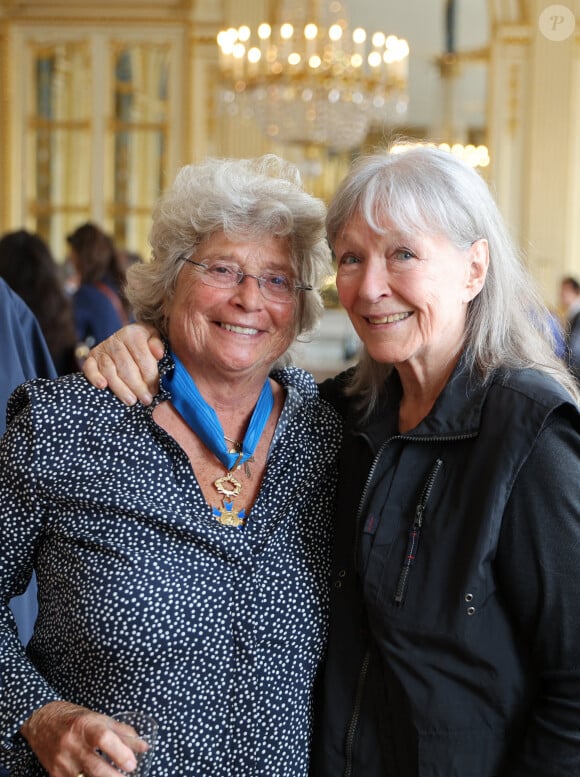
<point>538,565</point>
<point>24,351</point>
<point>22,521</point>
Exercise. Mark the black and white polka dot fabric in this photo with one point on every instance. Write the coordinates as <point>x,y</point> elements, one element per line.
<point>146,601</point>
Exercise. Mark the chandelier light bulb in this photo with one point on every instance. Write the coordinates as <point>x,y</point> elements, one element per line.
<point>311,31</point>
<point>239,51</point>
<point>335,32</point>
<point>359,35</point>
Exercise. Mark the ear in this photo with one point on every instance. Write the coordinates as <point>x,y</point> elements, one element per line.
<point>478,259</point>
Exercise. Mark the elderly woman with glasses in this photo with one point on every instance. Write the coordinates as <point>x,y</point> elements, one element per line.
<point>181,549</point>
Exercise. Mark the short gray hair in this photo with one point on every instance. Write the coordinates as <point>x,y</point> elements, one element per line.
<point>422,188</point>
<point>244,199</point>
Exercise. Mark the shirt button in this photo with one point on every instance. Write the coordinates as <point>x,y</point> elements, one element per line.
<point>468,597</point>
<point>471,610</point>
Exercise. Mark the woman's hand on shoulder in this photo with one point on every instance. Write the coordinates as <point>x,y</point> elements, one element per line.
<point>65,738</point>
<point>127,363</point>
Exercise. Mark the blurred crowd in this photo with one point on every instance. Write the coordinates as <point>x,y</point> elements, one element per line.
<point>77,302</point>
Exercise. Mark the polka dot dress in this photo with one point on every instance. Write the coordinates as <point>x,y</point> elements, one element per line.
<point>146,601</point>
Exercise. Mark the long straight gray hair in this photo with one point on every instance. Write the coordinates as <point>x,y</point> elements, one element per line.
<point>424,189</point>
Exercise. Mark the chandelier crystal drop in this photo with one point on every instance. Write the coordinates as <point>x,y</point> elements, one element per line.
<point>310,81</point>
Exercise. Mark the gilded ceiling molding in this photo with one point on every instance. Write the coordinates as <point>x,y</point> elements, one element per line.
<point>87,10</point>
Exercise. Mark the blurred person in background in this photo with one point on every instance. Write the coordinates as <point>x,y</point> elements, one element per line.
<point>99,302</point>
<point>23,355</point>
<point>570,299</point>
<point>28,267</point>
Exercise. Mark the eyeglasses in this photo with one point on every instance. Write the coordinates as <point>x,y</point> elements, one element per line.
<point>275,286</point>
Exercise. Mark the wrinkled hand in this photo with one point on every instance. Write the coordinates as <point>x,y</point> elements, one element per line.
<point>127,363</point>
<point>65,739</point>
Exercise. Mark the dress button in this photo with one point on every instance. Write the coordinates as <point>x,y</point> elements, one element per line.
<point>468,597</point>
<point>471,610</point>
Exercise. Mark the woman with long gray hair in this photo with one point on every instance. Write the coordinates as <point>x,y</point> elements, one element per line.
<point>453,648</point>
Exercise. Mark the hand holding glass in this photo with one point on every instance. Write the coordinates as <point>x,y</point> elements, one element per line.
<point>139,732</point>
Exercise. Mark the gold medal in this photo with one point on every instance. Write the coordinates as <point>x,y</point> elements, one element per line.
<point>230,487</point>
<point>228,516</point>
<point>221,485</point>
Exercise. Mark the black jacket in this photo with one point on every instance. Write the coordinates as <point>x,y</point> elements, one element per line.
<point>455,630</point>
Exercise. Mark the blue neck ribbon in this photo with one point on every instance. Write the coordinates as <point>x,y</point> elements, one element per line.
<point>203,420</point>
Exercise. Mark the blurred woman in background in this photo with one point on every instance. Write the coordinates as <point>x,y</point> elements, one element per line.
<point>28,267</point>
<point>100,307</point>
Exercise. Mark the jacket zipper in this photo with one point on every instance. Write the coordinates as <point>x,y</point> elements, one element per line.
<point>353,725</point>
<point>351,731</point>
<point>415,533</point>
<point>355,715</point>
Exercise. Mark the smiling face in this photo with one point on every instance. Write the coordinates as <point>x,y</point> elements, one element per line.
<point>407,296</point>
<point>233,332</point>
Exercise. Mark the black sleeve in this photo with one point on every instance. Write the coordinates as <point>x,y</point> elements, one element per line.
<point>538,565</point>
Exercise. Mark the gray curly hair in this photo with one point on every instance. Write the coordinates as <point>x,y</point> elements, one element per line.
<point>429,190</point>
<point>246,199</point>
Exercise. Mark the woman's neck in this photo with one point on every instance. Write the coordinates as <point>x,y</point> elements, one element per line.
<point>421,388</point>
<point>233,398</point>
<point>231,395</point>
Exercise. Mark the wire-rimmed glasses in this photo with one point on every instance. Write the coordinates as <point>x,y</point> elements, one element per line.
<point>275,286</point>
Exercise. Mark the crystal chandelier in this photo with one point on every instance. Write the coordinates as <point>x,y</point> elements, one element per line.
<point>309,81</point>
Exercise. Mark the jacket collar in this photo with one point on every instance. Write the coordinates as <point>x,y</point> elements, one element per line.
<point>456,413</point>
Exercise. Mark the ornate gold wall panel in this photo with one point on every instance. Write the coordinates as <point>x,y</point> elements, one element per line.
<point>96,135</point>
<point>534,132</point>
